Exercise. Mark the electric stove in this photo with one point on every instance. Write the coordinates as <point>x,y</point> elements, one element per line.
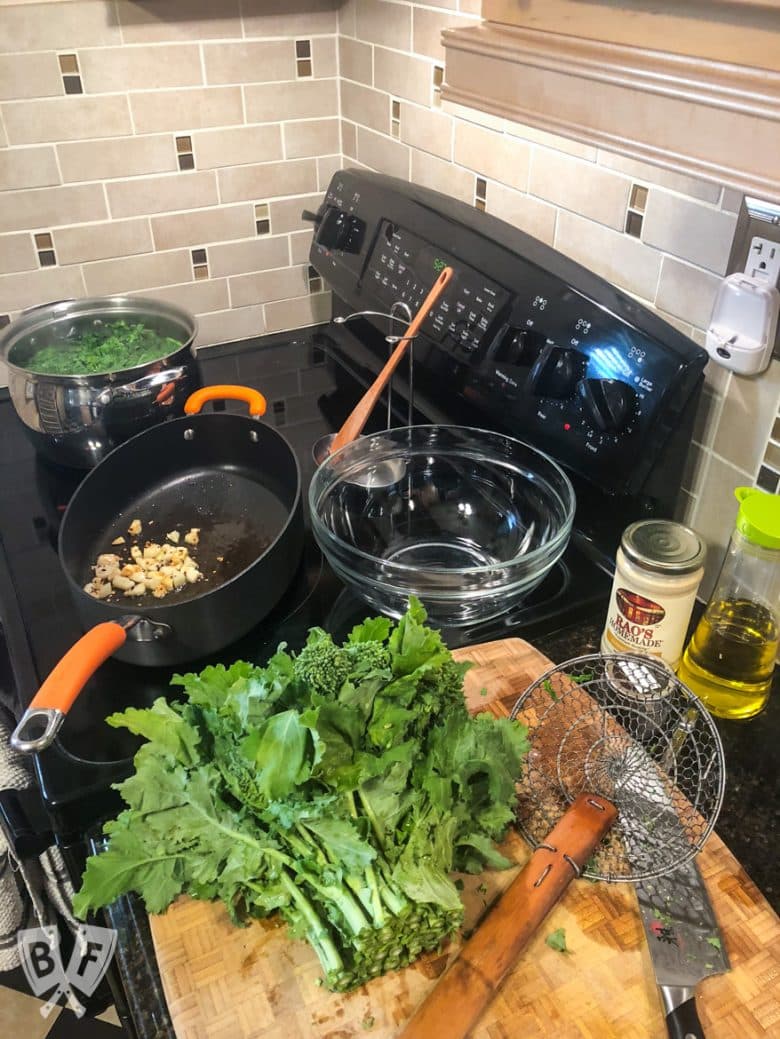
<point>524,341</point>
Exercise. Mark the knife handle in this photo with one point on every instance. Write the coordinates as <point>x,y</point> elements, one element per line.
<point>683,1021</point>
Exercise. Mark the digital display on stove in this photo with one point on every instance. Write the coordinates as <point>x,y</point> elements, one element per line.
<point>403,267</point>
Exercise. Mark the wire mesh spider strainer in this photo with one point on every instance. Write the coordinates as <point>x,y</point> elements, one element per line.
<point>626,728</point>
<point>623,781</point>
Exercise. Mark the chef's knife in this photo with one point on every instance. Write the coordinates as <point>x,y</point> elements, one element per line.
<point>685,943</point>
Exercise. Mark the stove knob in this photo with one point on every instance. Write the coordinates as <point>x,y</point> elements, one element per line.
<point>608,403</point>
<point>556,372</point>
<point>340,230</point>
<point>519,347</point>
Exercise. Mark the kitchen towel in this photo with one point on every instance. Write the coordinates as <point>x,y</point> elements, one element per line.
<point>34,893</point>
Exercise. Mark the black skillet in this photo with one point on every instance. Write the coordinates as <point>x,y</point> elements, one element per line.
<point>236,479</point>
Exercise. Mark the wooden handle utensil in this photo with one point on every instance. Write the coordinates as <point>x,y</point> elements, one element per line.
<point>353,426</point>
<point>458,1000</point>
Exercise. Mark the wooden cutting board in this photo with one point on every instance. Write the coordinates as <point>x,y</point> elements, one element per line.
<point>255,983</point>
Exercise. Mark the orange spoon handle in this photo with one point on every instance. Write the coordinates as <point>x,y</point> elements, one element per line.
<point>353,427</point>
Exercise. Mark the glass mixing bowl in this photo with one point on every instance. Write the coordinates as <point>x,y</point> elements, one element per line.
<point>467,520</point>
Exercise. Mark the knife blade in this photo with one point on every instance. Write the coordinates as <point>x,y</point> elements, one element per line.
<point>686,945</point>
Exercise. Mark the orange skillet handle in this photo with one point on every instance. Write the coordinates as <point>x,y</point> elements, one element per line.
<point>56,696</point>
<point>253,398</point>
<point>454,1006</point>
<point>353,426</point>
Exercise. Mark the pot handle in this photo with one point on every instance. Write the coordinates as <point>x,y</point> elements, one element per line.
<point>253,398</point>
<point>166,381</point>
<point>57,694</point>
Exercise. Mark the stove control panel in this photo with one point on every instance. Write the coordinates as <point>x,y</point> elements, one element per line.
<point>523,339</point>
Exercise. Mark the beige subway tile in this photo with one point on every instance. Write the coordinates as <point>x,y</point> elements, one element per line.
<point>254,254</point>
<point>42,27</point>
<point>471,6</point>
<point>716,376</point>
<point>427,129</point>
<point>705,421</point>
<point>623,260</point>
<point>695,468</point>
<point>687,292</point>
<point>286,213</point>
<point>178,21</point>
<point>529,214</point>
<point>300,246</point>
<point>267,180</point>
<point>732,201</point>
<point>144,196</point>
<point>442,176</point>
<point>347,17</point>
<point>203,226</point>
<point>285,283</point>
<point>327,165</point>
<point>715,512</point>
<point>237,146</point>
<point>684,508</point>
<point>227,326</point>
<point>581,187</point>
<point>180,110</point>
<point>682,326</point>
<point>552,140</point>
<point>427,28</point>
<point>66,119</point>
<point>17,254</point>
<point>28,168</point>
<point>749,411</point>
<point>129,273</point>
<point>199,297</point>
<point>387,24</point>
<point>472,115</point>
<point>103,241</point>
<point>29,75</point>
<point>140,68</point>
<point>704,190</point>
<point>51,207</point>
<point>403,76</point>
<point>324,50</point>
<point>349,139</point>
<point>250,61</point>
<point>492,155</point>
<point>689,230</point>
<point>19,291</point>
<point>3,135</point>
<point>355,60</point>
<point>300,99</point>
<point>383,153</point>
<point>298,313</point>
<point>117,157</point>
<point>311,137</point>
<point>365,106</point>
<point>289,18</point>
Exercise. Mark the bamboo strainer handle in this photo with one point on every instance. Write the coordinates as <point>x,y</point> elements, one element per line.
<point>454,1006</point>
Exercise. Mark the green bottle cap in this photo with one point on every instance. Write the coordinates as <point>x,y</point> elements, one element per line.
<point>758,518</point>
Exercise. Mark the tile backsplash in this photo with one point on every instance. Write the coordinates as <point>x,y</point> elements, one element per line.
<point>168,148</point>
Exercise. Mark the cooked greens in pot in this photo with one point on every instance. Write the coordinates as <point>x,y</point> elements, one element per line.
<point>110,347</point>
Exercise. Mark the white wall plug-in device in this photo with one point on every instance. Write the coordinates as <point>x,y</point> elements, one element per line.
<point>743,326</point>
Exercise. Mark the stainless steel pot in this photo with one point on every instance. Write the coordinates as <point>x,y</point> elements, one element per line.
<point>76,420</point>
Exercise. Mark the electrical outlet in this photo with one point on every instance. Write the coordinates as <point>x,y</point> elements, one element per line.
<point>763,261</point>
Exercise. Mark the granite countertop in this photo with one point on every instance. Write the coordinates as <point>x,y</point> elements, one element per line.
<point>748,824</point>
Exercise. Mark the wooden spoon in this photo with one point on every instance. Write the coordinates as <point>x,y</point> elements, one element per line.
<point>353,426</point>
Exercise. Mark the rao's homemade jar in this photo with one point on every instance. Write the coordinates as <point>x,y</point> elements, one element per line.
<point>659,567</point>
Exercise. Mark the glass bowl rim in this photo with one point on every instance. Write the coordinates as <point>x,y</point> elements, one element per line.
<point>391,566</point>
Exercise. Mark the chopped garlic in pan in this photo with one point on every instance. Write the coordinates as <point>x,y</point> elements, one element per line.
<point>159,569</point>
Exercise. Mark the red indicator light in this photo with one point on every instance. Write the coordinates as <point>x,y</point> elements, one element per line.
<point>567,426</point>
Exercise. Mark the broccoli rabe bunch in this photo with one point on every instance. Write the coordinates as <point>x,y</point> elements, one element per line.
<point>339,786</point>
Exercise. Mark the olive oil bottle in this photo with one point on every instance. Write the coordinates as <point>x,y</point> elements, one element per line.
<point>730,658</point>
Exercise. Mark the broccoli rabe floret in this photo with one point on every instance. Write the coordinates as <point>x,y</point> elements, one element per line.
<point>367,656</point>
<point>321,664</point>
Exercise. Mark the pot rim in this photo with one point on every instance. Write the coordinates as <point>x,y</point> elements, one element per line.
<point>36,318</point>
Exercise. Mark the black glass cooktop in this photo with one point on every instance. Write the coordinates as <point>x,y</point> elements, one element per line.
<point>311,381</point>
